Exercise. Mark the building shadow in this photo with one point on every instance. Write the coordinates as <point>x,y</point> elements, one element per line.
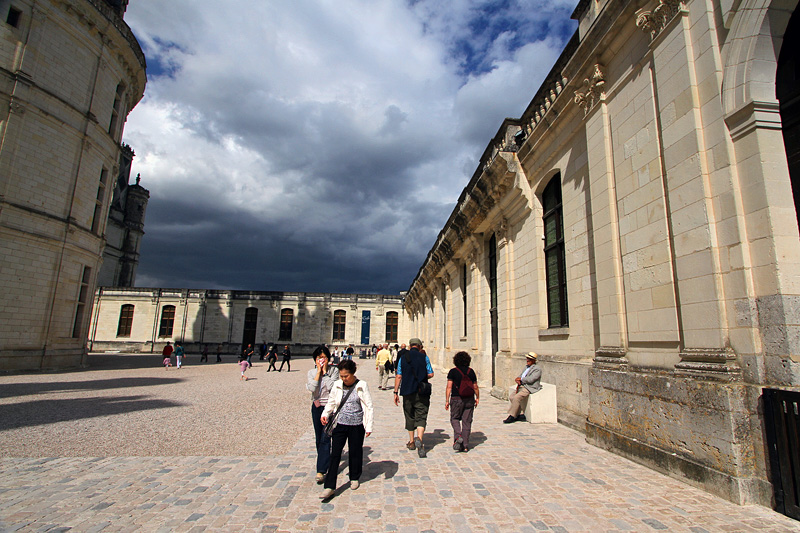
<point>41,412</point>
<point>12,390</point>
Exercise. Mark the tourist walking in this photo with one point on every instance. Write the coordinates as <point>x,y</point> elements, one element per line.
<point>204,356</point>
<point>528,382</point>
<point>272,358</point>
<point>219,353</point>
<point>350,408</point>
<point>461,398</point>
<point>384,356</point>
<point>287,358</point>
<point>166,353</point>
<point>320,382</point>
<point>262,350</point>
<point>411,382</point>
<point>248,354</point>
<point>244,364</point>
<point>178,354</point>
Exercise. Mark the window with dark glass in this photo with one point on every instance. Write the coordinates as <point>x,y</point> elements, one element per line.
<point>80,305</point>
<point>287,317</point>
<point>167,321</point>
<point>125,321</point>
<point>13,17</point>
<point>464,294</point>
<point>339,320</point>
<point>97,218</point>
<point>554,255</point>
<point>391,326</point>
<point>116,111</point>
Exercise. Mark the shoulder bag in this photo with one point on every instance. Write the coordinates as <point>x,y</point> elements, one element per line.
<point>331,425</point>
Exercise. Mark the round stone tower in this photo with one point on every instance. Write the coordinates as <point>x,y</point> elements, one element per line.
<point>70,72</point>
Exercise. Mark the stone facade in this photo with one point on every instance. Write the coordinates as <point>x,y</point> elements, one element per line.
<point>215,317</point>
<point>636,228</point>
<point>125,227</point>
<point>70,72</point>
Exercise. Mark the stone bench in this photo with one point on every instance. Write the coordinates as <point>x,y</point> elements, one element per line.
<point>541,407</point>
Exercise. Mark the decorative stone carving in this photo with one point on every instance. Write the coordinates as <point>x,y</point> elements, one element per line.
<point>16,108</point>
<point>594,91</point>
<point>656,20</point>
<point>446,279</point>
<point>501,232</point>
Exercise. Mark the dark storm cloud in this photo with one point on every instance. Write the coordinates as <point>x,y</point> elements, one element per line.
<point>320,146</point>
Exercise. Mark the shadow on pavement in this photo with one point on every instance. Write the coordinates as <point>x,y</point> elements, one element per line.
<point>11,390</point>
<point>434,439</point>
<point>40,412</point>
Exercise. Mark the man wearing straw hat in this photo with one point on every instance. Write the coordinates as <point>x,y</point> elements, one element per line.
<point>528,382</point>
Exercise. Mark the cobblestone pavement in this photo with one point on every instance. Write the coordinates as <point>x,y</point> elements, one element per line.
<point>518,477</point>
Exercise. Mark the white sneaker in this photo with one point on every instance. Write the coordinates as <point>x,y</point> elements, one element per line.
<point>353,484</point>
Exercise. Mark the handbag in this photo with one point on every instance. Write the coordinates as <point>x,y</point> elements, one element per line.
<point>331,425</point>
<point>388,366</point>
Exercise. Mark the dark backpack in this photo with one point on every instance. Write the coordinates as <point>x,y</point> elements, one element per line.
<point>466,389</point>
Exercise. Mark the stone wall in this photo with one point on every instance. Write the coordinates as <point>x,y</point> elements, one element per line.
<point>60,68</point>
<point>681,247</point>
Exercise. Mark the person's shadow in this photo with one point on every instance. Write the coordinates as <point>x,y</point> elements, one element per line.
<point>371,469</point>
<point>476,438</point>
<point>434,439</point>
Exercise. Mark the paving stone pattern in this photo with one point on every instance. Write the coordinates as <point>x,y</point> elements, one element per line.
<point>518,477</point>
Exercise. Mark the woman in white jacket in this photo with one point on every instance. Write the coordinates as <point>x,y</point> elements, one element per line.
<point>353,423</point>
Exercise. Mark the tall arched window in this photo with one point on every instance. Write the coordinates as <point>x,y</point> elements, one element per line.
<point>339,321</point>
<point>554,256</point>
<point>287,317</point>
<point>167,321</point>
<point>125,321</point>
<point>117,111</point>
<point>250,323</point>
<point>391,326</point>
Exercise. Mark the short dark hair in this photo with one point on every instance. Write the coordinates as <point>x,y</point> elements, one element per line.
<point>347,364</point>
<point>321,349</point>
<point>462,359</point>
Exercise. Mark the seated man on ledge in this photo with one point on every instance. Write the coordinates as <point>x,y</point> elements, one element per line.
<point>528,383</point>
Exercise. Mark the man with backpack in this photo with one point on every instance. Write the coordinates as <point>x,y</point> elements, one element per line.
<point>411,382</point>
<point>461,398</point>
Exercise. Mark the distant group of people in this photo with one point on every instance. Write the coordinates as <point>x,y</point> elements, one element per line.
<point>245,359</point>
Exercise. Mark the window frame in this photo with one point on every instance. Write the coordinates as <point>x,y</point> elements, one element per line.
<point>555,264</point>
<point>125,323</point>
<point>166,325</point>
<point>286,326</point>
<point>339,325</point>
<point>392,326</point>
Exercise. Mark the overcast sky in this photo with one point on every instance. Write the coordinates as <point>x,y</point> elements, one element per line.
<point>320,145</point>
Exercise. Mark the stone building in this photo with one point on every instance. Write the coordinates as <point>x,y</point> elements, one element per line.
<point>125,227</point>
<point>636,227</point>
<point>70,72</point>
<point>143,320</point>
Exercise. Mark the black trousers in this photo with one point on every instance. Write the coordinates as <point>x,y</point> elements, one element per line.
<point>354,436</point>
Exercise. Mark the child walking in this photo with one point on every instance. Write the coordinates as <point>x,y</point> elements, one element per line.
<point>244,364</point>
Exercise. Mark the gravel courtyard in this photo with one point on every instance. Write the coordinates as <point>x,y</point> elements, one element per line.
<point>129,405</point>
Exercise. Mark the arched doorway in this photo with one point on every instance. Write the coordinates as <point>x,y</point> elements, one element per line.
<point>787,90</point>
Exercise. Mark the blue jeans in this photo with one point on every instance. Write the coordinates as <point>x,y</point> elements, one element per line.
<point>323,441</point>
